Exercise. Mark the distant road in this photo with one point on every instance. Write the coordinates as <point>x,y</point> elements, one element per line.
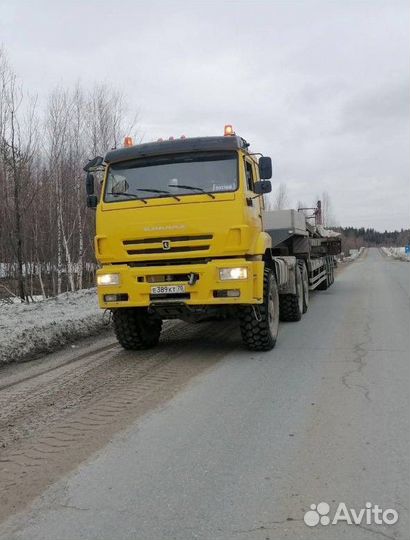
<point>219,443</point>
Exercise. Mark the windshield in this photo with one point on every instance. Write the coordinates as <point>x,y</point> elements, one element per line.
<point>176,176</point>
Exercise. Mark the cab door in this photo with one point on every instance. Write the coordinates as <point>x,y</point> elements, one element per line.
<point>253,202</point>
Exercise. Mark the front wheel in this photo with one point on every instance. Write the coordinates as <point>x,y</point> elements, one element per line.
<point>136,329</point>
<point>259,323</point>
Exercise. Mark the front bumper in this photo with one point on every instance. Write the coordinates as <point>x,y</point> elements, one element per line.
<point>136,288</point>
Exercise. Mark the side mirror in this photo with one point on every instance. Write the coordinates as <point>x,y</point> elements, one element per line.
<point>96,162</point>
<point>265,168</point>
<point>89,184</point>
<point>260,188</point>
<point>92,201</point>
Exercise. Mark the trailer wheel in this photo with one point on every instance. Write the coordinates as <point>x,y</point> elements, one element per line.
<point>328,281</point>
<point>330,276</point>
<point>291,305</point>
<point>136,329</point>
<point>324,285</point>
<point>259,324</point>
<point>332,273</point>
<point>305,285</point>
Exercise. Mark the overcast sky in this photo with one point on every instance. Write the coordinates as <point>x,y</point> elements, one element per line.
<point>320,86</point>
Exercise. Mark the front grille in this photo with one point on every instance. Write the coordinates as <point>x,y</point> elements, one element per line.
<point>168,297</point>
<point>176,249</point>
<point>170,244</point>
<point>166,262</point>
<point>166,278</point>
<point>170,238</point>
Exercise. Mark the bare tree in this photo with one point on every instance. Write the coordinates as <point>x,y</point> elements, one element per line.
<point>277,200</point>
<point>78,125</point>
<point>281,197</point>
<point>46,231</point>
<point>17,149</point>
<point>328,218</point>
<point>106,119</point>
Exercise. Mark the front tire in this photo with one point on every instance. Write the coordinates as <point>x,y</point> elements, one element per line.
<point>136,329</point>
<point>259,323</point>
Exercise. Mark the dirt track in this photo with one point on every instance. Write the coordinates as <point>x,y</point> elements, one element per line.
<point>56,413</point>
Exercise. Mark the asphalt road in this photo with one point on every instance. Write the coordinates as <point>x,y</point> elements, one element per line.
<point>244,449</point>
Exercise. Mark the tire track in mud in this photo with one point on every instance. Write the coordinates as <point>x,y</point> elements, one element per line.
<point>52,422</point>
<point>82,356</point>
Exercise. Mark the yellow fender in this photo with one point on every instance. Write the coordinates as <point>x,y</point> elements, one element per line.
<point>263,242</point>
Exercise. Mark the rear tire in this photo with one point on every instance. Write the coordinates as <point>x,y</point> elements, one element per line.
<point>324,285</point>
<point>136,329</point>
<point>259,324</point>
<point>329,278</point>
<point>305,285</point>
<point>291,305</point>
<point>332,273</point>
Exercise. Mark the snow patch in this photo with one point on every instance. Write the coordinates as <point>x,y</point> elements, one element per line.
<point>353,255</point>
<point>27,330</point>
<point>396,253</point>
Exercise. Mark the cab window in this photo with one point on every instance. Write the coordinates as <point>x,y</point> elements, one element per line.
<point>249,175</point>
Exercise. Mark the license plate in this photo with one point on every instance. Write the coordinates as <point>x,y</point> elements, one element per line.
<point>168,289</point>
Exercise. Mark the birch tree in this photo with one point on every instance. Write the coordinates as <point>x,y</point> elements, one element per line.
<point>17,150</point>
<point>46,231</point>
<point>281,197</point>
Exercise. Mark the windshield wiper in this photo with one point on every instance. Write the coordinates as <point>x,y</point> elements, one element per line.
<point>129,195</point>
<point>193,188</point>
<point>149,190</point>
<point>135,196</point>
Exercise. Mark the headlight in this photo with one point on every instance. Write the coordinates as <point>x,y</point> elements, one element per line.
<point>233,273</point>
<point>108,279</point>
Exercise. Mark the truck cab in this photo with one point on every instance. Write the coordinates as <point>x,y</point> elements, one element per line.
<point>180,234</point>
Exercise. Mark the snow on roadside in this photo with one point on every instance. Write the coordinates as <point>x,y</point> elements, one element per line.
<point>27,330</point>
<point>396,253</point>
<point>353,255</point>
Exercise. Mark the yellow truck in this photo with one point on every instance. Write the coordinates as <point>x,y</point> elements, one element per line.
<point>182,233</point>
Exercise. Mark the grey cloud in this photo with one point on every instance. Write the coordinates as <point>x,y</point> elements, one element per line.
<point>378,107</point>
<point>321,86</point>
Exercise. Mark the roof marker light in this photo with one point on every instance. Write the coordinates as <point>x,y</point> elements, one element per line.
<point>128,142</point>
<point>228,130</point>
